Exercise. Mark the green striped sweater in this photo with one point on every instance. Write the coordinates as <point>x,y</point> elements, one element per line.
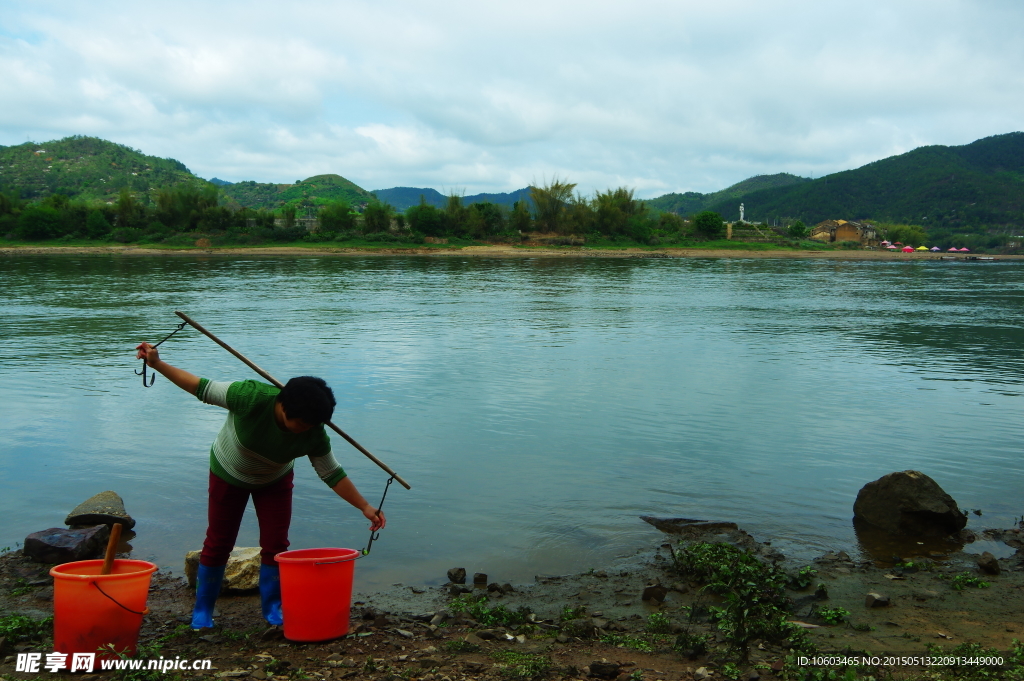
<point>251,451</point>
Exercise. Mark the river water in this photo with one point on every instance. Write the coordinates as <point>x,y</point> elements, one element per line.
<point>536,406</point>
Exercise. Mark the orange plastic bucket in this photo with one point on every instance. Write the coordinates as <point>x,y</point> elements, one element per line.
<point>316,592</point>
<point>91,610</point>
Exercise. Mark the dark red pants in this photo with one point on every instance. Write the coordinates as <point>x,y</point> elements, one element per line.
<point>227,505</point>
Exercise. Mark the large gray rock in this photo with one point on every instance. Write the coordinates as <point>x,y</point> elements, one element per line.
<point>105,508</point>
<point>61,545</point>
<point>241,574</point>
<point>908,503</point>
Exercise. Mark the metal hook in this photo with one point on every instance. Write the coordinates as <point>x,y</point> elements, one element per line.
<point>375,535</point>
<point>143,374</point>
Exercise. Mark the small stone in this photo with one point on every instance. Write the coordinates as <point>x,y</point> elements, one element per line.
<point>488,634</point>
<point>494,587</point>
<point>988,564</point>
<point>876,600</point>
<point>429,662</point>
<point>60,545</point>
<point>778,665</point>
<point>438,618</point>
<point>598,623</point>
<point>604,670</point>
<point>334,656</point>
<point>655,593</point>
<point>701,674</point>
<point>480,579</point>
<point>457,575</point>
<point>403,633</point>
<point>562,638</point>
<point>754,675</point>
<point>105,508</point>
<point>507,588</point>
<point>272,634</point>
<point>258,674</point>
<point>233,674</point>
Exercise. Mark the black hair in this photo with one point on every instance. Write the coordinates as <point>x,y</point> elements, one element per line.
<point>307,398</point>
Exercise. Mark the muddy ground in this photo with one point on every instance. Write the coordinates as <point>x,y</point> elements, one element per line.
<point>410,632</point>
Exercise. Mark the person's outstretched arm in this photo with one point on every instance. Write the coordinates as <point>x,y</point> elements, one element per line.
<point>179,377</point>
<point>347,491</point>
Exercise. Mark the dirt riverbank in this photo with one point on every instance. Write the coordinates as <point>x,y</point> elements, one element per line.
<point>413,632</point>
<point>495,251</point>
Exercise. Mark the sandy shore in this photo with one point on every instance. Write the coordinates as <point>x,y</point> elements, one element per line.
<point>493,251</point>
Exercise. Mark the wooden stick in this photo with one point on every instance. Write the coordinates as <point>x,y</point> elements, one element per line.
<point>115,539</point>
<point>264,374</point>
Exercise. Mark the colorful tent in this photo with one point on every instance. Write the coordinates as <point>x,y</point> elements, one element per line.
<point>908,249</point>
<point>965,250</point>
<point>952,249</point>
<point>891,247</point>
<point>921,248</point>
<point>936,248</point>
<point>885,243</point>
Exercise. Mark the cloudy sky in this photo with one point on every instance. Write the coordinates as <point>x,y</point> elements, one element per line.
<point>656,95</point>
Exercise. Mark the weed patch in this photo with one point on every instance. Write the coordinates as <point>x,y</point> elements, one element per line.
<point>499,614</point>
<point>966,579</point>
<point>516,665</point>
<point>21,628</point>
<point>627,641</point>
<point>754,605</point>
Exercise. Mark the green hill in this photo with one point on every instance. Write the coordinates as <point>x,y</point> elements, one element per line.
<point>977,184</point>
<point>406,197</point>
<point>689,203</point>
<point>312,191</point>
<point>87,168</point>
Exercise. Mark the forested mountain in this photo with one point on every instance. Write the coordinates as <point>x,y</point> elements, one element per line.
<point>87,168</point>
<point>977,184</point>
<point>313,191</point>
<point>689,203</point>
<point>406,197</point>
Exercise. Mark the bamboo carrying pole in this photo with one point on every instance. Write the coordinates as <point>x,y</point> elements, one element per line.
<point>112,542</point>
<point>278,383</point>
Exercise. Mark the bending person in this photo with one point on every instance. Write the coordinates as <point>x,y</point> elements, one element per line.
<point>266,430</point>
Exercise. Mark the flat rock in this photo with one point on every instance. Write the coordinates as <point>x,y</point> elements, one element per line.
<point>241,574</point>
<point>908,503</point>
<point>61,545</point>
<point>105,508</point>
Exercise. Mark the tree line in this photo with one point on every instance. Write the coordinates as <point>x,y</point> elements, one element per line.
<point>180,214</point>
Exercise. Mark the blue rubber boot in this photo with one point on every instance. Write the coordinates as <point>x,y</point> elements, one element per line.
<point>208,581</point>
<point>270,594</point>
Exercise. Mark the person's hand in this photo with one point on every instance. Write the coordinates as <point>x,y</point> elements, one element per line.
<point>376,518</point>
<point>147,352</point>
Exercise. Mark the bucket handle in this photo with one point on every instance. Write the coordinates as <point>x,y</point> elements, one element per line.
<point>134,612</point>
<point>343,560</point>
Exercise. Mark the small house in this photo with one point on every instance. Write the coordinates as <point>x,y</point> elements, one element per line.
<point>832,231</point>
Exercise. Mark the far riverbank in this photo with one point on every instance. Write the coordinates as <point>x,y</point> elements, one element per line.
<point>499,251</point>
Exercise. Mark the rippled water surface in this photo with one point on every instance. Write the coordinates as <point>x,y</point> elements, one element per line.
<point>537,406</point>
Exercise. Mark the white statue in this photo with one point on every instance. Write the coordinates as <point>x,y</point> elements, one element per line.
<point>741,213</point>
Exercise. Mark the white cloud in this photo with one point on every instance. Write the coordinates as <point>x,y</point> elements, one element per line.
<point>661,96</point>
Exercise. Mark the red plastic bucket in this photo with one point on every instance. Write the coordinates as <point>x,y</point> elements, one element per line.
<point>91,610</point>
<point>316,592</point>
